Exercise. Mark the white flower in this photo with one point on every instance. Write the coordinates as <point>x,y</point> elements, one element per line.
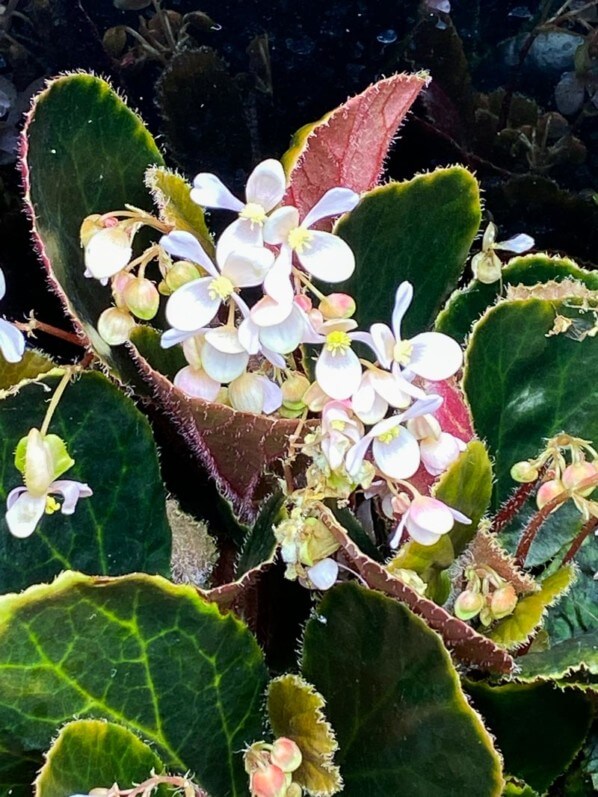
<point>12,341</point>
<point>192,306</point>
<point>41,459</point>
<point>431,355</point>
<point>271,328</point>
<point>223,357</point>
<point>254,393</point>
<point>340,431</point>
<point>338,370</point>
<point>486,265</point>
<point>367,403</point>
<point>322,254</point>
<point>196,383</point>
<point>323,575</point>
<point>107,252</point>
<point>438,449</point>
<point>264,190</point>
<point>426,520</point>
<point>394,449</point>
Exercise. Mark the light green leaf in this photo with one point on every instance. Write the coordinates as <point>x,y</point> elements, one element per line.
<point>577,654</point>
<point>394,700</point>
<point>141,652</point>
<point>419,230</point>
<point>88,754</point>
<point>122,527</point>
<point>33,364</point>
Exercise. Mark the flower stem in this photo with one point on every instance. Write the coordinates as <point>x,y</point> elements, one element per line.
<point>55,400</point>
<point>33,324</point>
<point>513,504</point>
<point>585,532</point>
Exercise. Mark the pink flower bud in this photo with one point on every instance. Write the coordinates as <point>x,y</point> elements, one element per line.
<point>468,604</point>
<point>503,601</point>
<point>268,781</point>
<point>115,325</point>
<point>337,305</point>
<point>548,491</point>
<point>286,754</point>
<point>579,472</point>
<point>304,302</point>
<point>142,298</point>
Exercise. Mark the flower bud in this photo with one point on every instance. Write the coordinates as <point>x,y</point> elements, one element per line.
<point>119,283</point>
<point>268,781</point>
<point>107,252</point>
<point>487,267</point>
<point>503,601</point>
<point>579,472</point>
<point>524,472</point>
<point>180,274</point>
<point>90,226</point>
<point>286,754</point>
<point>293,389</point>
<point>192,350</point>
<point>337,305</point>
<point>304,302</point>
<point>548,491</point>
<point>142,298</point>
<point>468,604</point>
<point>115,326</point>
<point>317,542</point>
<point>246,393</point>
<point>294,790</point>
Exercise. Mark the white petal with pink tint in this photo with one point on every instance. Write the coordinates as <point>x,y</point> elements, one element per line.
<point>186,246</point>
<point>195,382</point>
<point>277,283</point>
<point>248,266</point>
<point>24,512</point>
<point>239,234</point>
<point>191,306</point>
<point>285,336</point>
<point>518,244</point>
<point>438,453</point>
<point>384,343</point>
<point>428,519</point>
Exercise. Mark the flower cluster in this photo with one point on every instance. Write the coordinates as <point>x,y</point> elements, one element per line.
<point>242,318</point>
<point>487,596</point>
<point>270,768</point>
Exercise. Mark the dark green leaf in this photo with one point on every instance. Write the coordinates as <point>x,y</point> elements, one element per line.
<point>394,700</point>
<point>89,754</point>
<point>17,767</point>
<point>538,728</point>
<point>260,544</point>
<point>420,231</point>
<point>467,305</point>
<point>141,652</point>
<point>122,527</point>
<point>572,655</point>
<point>354,529</point>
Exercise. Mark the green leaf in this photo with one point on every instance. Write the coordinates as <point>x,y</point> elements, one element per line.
<point>516,788</point>
<point>18,768</point>
<point>517,628</point>
<point>122,527</point>
<point>394,700</point>
<point>466,305</point>
<point>577,612</point>
<point>354,529</point>
<point>86,152</point>
<point>171,193</point>
<point>524,387</point>
<point>89,754</point>
<point>420,231</point>
<point>538,728</point>
<point>141,652</point>
<point>579,653</point>
<point>33,364</point>
<point>260,544</point>
<point>467,487</point>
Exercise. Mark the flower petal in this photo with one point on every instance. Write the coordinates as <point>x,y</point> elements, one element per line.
<point>238,235</point>
<point>426,516</point>
<point>403,298</point>
<point>210,192</point>
<point>327,257</point>
<point>323,575</point>
<point>277,283</point>
<point>435,356</point>
<point>191,307</point>
<point>2,284</point>
<point>24,514</point>
<point>518,243</point>
<point>338,373</point>
<point>356,454</point>
<point>248,266</point>
<point>284,337</point>
<point>266,184</point>
<point>280,223</point>
<point>368,405</point>
<point>272,394</point>
<point>195,382</point>
<point>71,491</point>
<point>399,458</point>
<point>173,336</point>
<point>248,333</point>
<point>12,342</point>
<point>224,339</point>
<point>438,453</point>
<point>334,202</point>
<point>223,367</point>
<point>186,246</point>
<point>384,343</point>
<point>268,313</point>
<point>107,252</point>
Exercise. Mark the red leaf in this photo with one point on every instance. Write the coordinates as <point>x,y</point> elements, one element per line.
<point>348,147</point>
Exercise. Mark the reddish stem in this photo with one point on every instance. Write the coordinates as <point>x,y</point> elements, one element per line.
<point>512,505</point>
<point>31,326</point>
<point>586,530</point>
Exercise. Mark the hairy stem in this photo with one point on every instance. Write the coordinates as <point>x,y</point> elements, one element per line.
<point>585,532</point>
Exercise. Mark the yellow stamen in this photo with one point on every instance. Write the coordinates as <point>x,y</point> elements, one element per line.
<point>338,342</point>
<point>220,288</point>
<point>338,425</point>
<point>254,213</point>
<point>299,239</point>
<point>402,352</point>
<point>52,505</point>
<point>390,435</point>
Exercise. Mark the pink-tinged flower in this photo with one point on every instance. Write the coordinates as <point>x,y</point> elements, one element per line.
<point>24,510</point>
<point>322,254</point>
<point>395,450</point>
<point>338,370</point>
<point>367,403</point>
<point>323,575</point>
<point>192,306</point>
<point>264,190</point>
<point>12,341</point>
<point>438,449</point>
<point>426,520</point>
<point>196,383</point>
<point>340,431</point>
<point>431,355</point>
<point>254,393</point>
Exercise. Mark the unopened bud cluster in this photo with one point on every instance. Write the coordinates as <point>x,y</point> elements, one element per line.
<point>487,596</point>
<point>569,469</point>
<point>271,766</point>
